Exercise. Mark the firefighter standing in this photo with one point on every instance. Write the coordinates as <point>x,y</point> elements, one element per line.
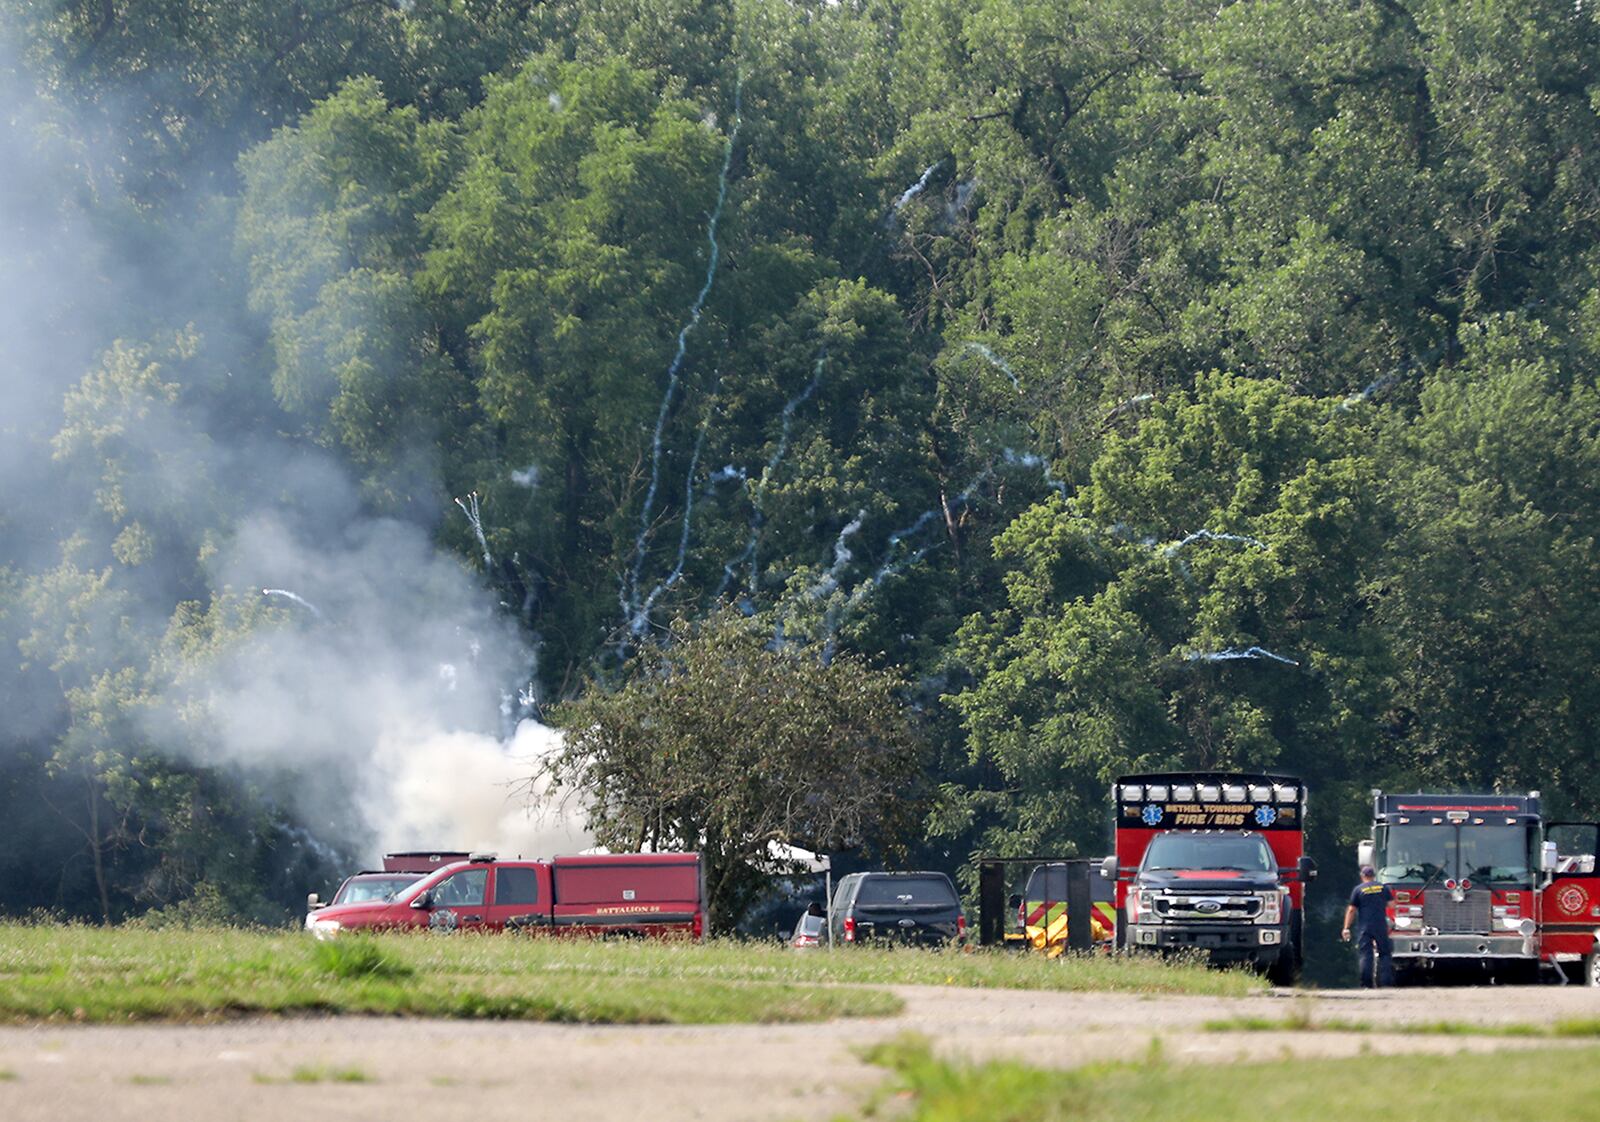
<point>1368,910</point>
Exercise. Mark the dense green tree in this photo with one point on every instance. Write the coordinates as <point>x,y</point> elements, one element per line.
<point>894,323</point>
<point>724,745</point>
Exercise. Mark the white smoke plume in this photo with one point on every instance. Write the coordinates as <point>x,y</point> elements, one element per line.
<point>387,709</point>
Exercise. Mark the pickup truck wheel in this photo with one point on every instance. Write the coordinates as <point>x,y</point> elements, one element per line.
<point>1286,971</point>
<point>1591,968</point>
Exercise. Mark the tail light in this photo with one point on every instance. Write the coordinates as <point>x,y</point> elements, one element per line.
<point>961,926</point>
<point>849,930</point>
<point>699,925</point>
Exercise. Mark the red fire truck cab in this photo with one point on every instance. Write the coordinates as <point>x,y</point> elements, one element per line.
<point>649,894</point>
<point>1483,883</point>
<point>1212,863</point>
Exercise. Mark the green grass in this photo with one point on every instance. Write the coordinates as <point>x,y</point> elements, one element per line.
<point>81,973</point>
<point>1550,1086</point>
<point>1573,1027</point>
<point>7,1075</point>
<point>315,1073</point>
<point>150,1080</point>
<point>330,1075</point>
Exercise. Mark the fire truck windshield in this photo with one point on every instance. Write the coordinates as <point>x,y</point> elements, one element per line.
<point>1482,853</point>
<point>1247,853</point>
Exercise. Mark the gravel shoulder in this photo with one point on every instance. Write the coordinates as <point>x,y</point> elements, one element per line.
<point>248,1069</point>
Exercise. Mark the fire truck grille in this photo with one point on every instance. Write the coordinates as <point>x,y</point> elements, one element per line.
<point>1445,914</point>
<point>1208,907</point>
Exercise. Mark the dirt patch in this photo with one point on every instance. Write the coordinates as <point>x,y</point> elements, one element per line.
<point>266,1069</point>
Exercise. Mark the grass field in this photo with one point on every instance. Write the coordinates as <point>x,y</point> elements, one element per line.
<point>1567,1028</point>
<point>79,973</point>
<point>1554,1086</point>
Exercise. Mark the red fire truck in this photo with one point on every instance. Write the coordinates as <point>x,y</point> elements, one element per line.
<point>649,894</point>
<point>1484,883</point>
<point>1212,862</point>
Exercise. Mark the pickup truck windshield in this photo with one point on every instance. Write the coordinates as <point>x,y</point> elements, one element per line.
<point>1210,851</point>
<point>361,890</point>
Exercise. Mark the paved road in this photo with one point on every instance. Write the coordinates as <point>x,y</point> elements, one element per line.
<point>445,1070</point>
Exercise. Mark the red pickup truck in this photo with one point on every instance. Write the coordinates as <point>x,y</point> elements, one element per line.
<point>650,894</point>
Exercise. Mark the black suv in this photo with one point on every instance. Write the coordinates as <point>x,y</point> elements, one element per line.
<point>914,908</point>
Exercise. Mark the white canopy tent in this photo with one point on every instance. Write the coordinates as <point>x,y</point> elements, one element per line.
<point>784,859</point>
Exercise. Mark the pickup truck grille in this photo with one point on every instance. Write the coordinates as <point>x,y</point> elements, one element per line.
<point>1445,914</point>
<point>1200,907</point>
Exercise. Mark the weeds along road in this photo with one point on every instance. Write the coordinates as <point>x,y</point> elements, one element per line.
<point>377,1068</point>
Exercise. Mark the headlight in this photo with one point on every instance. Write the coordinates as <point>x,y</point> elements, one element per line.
<point>1271,908</point>
<point>1144,907</point>
<point>325,928</point>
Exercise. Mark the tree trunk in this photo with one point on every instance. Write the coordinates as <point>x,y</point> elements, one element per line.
<point>97,850</point>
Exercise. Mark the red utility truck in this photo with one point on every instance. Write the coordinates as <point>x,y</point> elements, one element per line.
<point>649,894</point>
<point>1212,862</point>
<point>1483,883</point>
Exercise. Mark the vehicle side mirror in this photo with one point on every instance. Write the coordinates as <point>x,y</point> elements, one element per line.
<point>423,900</point>
<point>1108,867</point>
<point>313,902</point>
<point>1014,902</point>
<point>1307,868</point>
<point>1549,859</point>
<point>1364,853</point>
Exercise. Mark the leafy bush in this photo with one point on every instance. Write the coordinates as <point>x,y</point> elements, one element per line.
<point>357,957</point>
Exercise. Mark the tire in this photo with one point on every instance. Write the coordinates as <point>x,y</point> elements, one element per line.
<point>1591,968</point>
<point>1285,971</point>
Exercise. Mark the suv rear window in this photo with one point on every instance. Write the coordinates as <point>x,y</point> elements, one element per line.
<point>903,892</point>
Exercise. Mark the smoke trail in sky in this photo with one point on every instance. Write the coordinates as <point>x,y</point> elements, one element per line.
<point>916,188</point>
<point>1234,654</point>
<point>1371,390</point>
<point>890,565</point>
<point>995,361</point>
<point>526,477</point>
<point>1211,536</point>
<point>475,519</point>
<point>641,617</point>
<point>749,554</point>
<point>1033,460</point>
<point>842,556</point>
<point>296,597</point>
<point>629,594</point>
<point>1122,407</point>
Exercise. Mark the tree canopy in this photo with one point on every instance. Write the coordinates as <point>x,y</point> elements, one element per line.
<point>1090,386</point>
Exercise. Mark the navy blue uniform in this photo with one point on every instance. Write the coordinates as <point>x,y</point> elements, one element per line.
<point>1370,900</point>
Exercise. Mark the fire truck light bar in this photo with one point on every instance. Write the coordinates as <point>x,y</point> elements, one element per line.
<point>1284,795</point>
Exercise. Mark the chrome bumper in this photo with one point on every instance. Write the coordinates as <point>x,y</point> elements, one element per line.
<point>1409,945</point>
<point>1223,937</point>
